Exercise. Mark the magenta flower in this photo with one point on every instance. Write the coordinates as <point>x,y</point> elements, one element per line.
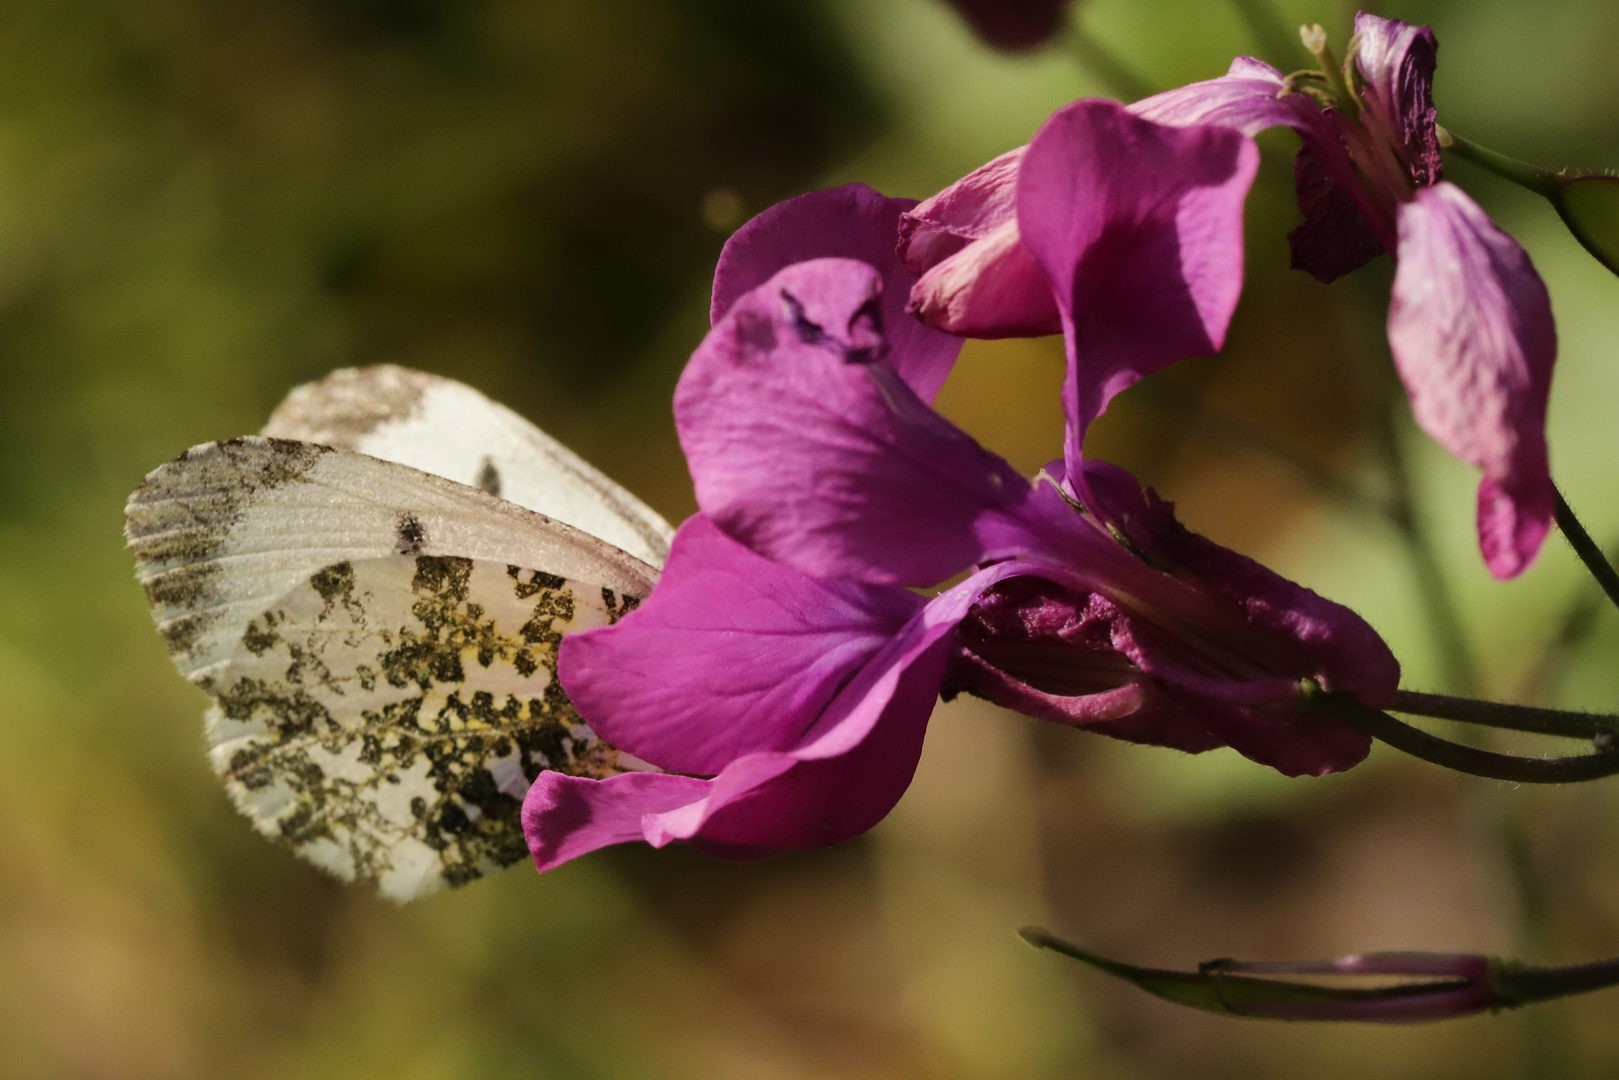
<point>783,674</point>
<point>1470,322</point>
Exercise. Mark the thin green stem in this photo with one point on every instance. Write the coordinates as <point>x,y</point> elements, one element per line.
<point>1234,433</point>
<point>1578,619</point>
<point>1524,984</point>
<point>1112,71</point>
<point>1457,757</point>
<point>1455,655</point>
<point>1587,549</point>
<point>1278,41</point>
<point>1498,714</point>
<point>1542,182</point>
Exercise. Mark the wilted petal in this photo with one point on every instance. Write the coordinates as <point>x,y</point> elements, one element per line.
<point>811,451</point>
<point>1034,645</point>
<point>1470,324</point>
<point>851,222</point>
<point>1398,62</point>
<point>1139,229</point>
<point>1247,97</point>
<point>1286,628</point>
<point>732,654</point>
<point>1334,237</point>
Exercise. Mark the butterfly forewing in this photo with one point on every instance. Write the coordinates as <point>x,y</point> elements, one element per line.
<point>449,429</point>
<point>380,644</point>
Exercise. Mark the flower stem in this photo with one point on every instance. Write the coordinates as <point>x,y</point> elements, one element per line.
<point>1105,65</point>
<point>1573,626</point>
<point>1455,756</point>
<point>1521,985</point>
<point>1497,714</point>
<point>1450,638</point>
<point>1541,181</point>
<point>1586,548</point>
<point>1434,986</point>
<point>1229,432</point>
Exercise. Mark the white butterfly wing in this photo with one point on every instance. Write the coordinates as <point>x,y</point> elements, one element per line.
<point>449,429</point>
<point>380,648</point>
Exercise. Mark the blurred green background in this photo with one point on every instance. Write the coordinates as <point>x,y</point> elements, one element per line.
<point>205,203</point>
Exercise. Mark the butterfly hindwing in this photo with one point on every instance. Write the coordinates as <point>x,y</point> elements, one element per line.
<point>386,717</point>
<point>380,644</point>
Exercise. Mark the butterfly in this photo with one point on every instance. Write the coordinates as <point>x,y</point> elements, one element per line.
<point>372,592</point>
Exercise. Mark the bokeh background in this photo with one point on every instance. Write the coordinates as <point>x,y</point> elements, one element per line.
<point>205,203</point>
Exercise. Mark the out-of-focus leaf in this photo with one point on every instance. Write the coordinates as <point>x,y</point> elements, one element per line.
<point>1589,206</point>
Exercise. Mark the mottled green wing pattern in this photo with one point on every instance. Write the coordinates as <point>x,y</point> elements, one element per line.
<point>380,644</point>
<point>386,717</point>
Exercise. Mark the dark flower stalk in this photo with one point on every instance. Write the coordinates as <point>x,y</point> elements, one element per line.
<point>1459,757</point>
<point>1433,986</point>
<point>1588,203</point>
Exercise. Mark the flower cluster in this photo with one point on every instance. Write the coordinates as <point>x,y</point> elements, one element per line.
<point>856,555</point>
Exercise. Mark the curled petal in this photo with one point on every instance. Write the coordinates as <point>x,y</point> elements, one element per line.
<point>852,222</point>
<point>1471,328</point>
<point>811,451</point>
<point>731,655</point>
<point>563,820</point>
<point>1247,97</point>
<point>977,280</point>
<point>970,209</point>
<point>1139,229</point>
<point>1398,60</point>
<point>846,774</point>
<point>992,288</point>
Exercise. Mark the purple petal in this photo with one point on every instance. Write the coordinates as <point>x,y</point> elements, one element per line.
<point>970,209</point>
<point>1291,744</point>
<point>1471,328</point>
<point>852,222</point>
<point>977,280</point>
<point>1288,629</point>
<point>993,288</point>
<point>565,817</point>
<point>1246,98</point>
<point>1398,61</point>
<point>1335,237</point>
<point>809,450</point>
<point>732,654</point>
<point>1040,645</point>
<point>1139,229</point>
<point>847,772</point>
